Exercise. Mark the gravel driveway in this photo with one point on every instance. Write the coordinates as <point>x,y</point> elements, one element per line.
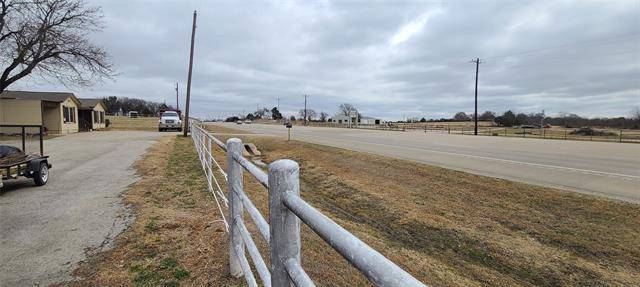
<point>45,231</point>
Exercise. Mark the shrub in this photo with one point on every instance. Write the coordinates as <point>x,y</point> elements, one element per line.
<point>587,131</point>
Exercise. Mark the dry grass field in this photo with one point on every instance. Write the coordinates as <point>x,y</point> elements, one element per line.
<point>120,123</point>
<point>445,227</point>
<point>557,133</point>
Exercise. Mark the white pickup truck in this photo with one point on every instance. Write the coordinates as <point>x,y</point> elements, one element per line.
<point>170,120</point>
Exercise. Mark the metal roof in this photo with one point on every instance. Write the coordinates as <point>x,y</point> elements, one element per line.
<point>42,96</point>
<point>91,103</point>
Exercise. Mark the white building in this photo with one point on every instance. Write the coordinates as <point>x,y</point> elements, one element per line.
<point>355,120</point>
<point>368,121</point>
<point>342,119</point>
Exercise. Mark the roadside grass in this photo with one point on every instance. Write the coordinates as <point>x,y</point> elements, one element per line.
<point>452,228</point>
<point>220,130</point>
<point>559,133</point>
<point>176,238</point>
<point>445,227</point>
<point>121,123</point>
<point>554,133</point>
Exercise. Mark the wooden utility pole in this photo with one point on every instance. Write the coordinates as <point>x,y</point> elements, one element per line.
<point>305,110</point>
<point>186,111</point>
<point>475,113</point>
<point>177,98</point>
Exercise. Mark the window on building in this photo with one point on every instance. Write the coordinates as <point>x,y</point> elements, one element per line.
<point>65,114</point>
<point>102,117</point>
<point>69,114</point>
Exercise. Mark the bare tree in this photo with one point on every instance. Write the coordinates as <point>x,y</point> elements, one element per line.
<point>347,109</point>
<point>323,116</point>
<point>50,38</point>
<point>262,113</point>
<point>461,116</point>
<point>635,114</point>
<point>311,114</point>
<point>635,117</point>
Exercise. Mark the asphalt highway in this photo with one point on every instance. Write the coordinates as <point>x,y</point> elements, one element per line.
<point>607,169</point>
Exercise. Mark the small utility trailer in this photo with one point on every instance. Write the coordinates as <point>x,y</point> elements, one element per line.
<point>15,162</point>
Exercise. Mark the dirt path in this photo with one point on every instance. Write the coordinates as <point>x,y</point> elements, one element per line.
<point>46,231</point>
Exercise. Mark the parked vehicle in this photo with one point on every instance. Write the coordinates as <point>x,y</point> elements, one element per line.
<point>170,120</point>
<point>238,122</point>
<point>247,121</point>
<point>15,162</point>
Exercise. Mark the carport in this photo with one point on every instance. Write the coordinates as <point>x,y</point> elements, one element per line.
<point>91,114</point>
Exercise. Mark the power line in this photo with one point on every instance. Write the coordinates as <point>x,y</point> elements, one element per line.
<point>564,60</point>
<point>593,42</point>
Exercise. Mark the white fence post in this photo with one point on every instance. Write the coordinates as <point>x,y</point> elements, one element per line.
<point>234,180</point>
<point>284,225</point>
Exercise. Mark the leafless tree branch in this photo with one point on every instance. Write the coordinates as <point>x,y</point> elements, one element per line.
<point>50,38</point>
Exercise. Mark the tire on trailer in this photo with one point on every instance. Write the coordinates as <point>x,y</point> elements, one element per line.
<point>41,176</point>
<point>160,129</point>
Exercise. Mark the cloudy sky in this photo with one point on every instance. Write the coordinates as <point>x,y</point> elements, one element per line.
<point>391,59</point>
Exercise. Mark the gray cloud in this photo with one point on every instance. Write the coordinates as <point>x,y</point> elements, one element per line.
<point>389,58</point>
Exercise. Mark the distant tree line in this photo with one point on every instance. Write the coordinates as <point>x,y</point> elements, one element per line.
<point>311,114</point>
<point>261,113</point>
<point>569,120</point>
<point>125,105</point>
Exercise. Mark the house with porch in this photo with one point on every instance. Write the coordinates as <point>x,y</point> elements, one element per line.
<point>56,111</point>
<point>91,114</point>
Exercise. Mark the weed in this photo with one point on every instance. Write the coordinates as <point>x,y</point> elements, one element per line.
<point>168,263</point>
<point>145,276</point>
<point>151,225</point>
<point>180,273</point>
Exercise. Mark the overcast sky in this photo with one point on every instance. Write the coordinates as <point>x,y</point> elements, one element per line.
<point>391,59</point>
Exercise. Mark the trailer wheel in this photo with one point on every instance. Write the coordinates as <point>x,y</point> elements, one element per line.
<point>41,176</point>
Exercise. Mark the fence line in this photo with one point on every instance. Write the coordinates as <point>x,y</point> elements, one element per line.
<point>202,142</point>
<point>598,134</point>
<point>282,234</point>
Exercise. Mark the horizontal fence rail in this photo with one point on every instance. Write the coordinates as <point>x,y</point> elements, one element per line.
<point>286,212</point>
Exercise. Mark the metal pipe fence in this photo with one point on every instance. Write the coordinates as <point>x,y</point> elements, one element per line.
<point>286,212</point>
<point>575,134</point>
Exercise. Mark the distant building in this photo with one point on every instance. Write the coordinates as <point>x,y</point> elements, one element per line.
<point>355,120</point>
<point>368,121</point>
<point>342,119</point>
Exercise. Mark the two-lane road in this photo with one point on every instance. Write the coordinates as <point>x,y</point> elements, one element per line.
<point>607,169</point>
